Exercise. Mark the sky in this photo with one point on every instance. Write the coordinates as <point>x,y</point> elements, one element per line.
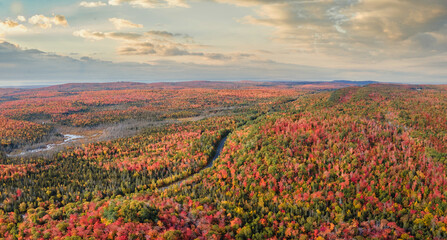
<point>58,41</point>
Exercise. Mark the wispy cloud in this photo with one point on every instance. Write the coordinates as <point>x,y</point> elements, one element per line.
<point>151,3</point>
<point>92,4</point>
<point>138,3</point>
<point>92,35</point>
<point>123,23</point>
<point>157,43</point>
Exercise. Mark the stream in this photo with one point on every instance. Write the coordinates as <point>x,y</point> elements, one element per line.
<point>67,139</point>
<point>210,164</point>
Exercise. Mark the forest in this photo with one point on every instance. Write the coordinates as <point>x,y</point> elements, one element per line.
<point>299,161</point>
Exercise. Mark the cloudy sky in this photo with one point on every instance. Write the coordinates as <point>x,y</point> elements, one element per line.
<point>55,41</point>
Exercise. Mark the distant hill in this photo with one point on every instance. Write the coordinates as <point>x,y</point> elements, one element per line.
<point>76,87</point>
<point>358,83</point>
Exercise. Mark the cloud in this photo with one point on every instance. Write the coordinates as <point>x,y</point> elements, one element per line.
<point>92,35</point>
<point>151,3</point>
<point>60,20</point>
<point>396,20</point>
<point>175,49</point>
<point>369,28</point>
<point>29,66</point>
<point>157,43</point>
<point>89,34</point>
<point>138,3</point>
<point>122,23</point>
<point>123,36</point>
<point>92,4</point>
<point>161,43</point>
<point>165,34</point>
<point>159,49</point>
<point>20,66</point>
<point>47,22</point>
<point>10,26</point>
<point>21,19</point>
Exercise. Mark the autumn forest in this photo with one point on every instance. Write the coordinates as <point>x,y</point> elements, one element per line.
<point>224,160</point>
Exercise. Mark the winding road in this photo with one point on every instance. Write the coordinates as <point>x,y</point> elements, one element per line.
<point>210,164</point>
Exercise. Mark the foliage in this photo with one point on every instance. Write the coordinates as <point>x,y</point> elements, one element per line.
<point>357,163</point>
<point>14,133</point>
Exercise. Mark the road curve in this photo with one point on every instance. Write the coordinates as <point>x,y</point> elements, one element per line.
<point>210,164</point>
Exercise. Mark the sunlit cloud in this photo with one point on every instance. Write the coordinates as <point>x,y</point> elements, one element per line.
<point>157,43</point>
<point>21,18</point>
<point>92,4</point>
<point>372,28</point>
<point>10,26</point>
<point>47,22</point>
<point>122,23</point>
<point>93,35</point>
<point>151,3</point>
<point>138,3</point>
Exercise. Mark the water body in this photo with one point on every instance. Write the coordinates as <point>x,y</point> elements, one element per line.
<point>210,164</point>
<point>67,139</point>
